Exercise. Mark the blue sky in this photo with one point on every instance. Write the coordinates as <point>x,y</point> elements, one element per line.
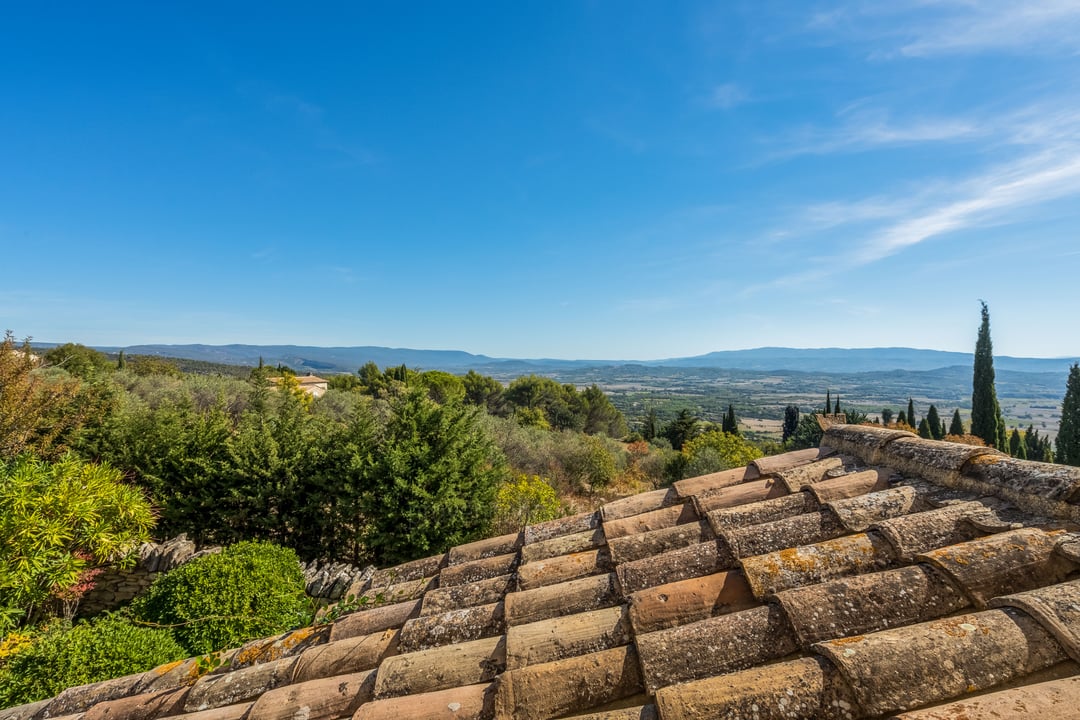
<point>543,179</point>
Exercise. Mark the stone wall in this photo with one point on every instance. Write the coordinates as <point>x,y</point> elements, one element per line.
<point>331,581</point>
<point>326,582</point>
<point>118,586</point>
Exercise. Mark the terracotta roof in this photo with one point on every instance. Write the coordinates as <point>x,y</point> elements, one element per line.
<point>878,575</point>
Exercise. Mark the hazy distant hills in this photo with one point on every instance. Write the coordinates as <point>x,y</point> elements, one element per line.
<point>830,360</point>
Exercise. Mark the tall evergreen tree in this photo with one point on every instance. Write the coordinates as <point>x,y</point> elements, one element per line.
<point>924,429</point>
<point>986,420</point>
<point>957,425</point>
<point>121,361</point>
<point>901,419</point>
<point>730,424</point>
<point>836,407</point>
<point>791,421</point>
<point>886,416</point>
<point>937,428</point>
<point>651,427</point>
<point>1033,443</point>
<point>911,412</point>
<point>1016,445</point>
<point>828,402</point>
<point>1068,439</point>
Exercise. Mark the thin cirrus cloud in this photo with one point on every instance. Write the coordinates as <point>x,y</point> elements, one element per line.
<point>1045,168</point>
<point>726,96</point>
<point>916,28</point>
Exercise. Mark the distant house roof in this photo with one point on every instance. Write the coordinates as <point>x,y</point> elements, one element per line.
<point>878,575</point>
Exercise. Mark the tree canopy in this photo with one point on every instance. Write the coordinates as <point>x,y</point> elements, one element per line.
<point>986,420</point>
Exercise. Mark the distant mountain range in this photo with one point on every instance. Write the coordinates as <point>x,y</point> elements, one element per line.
<point>349,359</point>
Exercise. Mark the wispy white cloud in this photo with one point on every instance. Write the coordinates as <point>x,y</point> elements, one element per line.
<point>726,96</point>
<point>923,28</point>
<point>868,129</point>
<point>1045,166</point>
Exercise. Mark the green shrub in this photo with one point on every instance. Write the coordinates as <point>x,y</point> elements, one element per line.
<point>249,590</point>
<point>58,520</point>
<point>64,656</point>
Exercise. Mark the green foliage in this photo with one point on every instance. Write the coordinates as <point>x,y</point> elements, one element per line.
<point>902,419</point>
<point>56,520</point>
<point>601,417</point>
<point>650,427</point>
<point>63,656</point>
<point>1068,438</point>
<point>78,360</point>
<point>525,500</point>
<point>956,427</point>
<point>791,421</point>
<point>886,416</point>
<point>35,408</point>
<point>924,429</point>
<point>443,387</point>
<point>715,451</point>
<point>483,391</point>
<point>249,590</point>
<point>807,434</point>
<point>986,420</point>
<point>730,424</point>
<point>937,427</point>
<point>591,465</point>
<point>682,429</point>
<point>1017,448</point>
<point>855,417</point>
<point>434,480</point>
<point>911,413</point>
<point>828,402</point>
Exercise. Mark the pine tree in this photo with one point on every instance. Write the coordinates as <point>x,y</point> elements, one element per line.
<point>957,426</point>
<point>1068,439</point>
<point>1017,448</point>
<point>937,428</point>
<point>986,420</point>
<point>911,413</point>
<point>651,427</point>
<point>828,402</point>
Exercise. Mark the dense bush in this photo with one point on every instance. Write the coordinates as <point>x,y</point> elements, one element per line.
<point>249,590</point>
<point>56,521</point>
<point>525,500</point>
<point>64,656</point>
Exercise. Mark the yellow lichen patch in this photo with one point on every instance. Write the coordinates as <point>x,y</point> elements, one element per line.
<point>167,667</point>
<point>296,637</point>
<point>848,640</point>
<point>264,651</point>
<point>986,459</point>
<point>793,559</point>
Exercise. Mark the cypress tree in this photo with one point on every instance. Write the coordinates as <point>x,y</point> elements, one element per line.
<point>986,420</point>
<point>730,424</point>
<point>836,407</point>
<point>957,426</point>
<point>901,419</point>
<point>910,413</point>
<point>924,429</point>
<point>828,402</point>
<point>1017,448</point>
<point>1033,443</point>
<point>1068,439</point>
<point>791,421</point>
<point>937,428</point>
<point>121,361</point>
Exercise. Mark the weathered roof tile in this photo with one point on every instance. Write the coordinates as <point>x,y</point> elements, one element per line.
<point>687,601</point>
<point>441,668</point>
<point>903,668</point>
